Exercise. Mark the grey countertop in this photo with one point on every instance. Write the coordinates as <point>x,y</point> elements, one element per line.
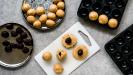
<point>99,64</point>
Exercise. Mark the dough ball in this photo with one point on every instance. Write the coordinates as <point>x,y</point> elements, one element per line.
<point>60,13</point>
<point>37,24</point>
<point>47,56</point>
<point>31,19</point>
<point>60,5</point>
<point>51,16</point>
<point>113,23</point>
<point>26,7</point>
<point>103,19</point>
<point>43,18</point>
<point>80,52</point>
<point>61,54</point>
<point>50,23</point>
<point>53,8</point>
<point>40,10</point>
<point>93,15</point>
<point>56,1</point>
<point>69,40</point>
<point>58,68</point>
<point>31,12</point>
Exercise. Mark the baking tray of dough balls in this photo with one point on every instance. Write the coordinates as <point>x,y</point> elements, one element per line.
<point>16,45</point>
<point>107,13</point>
<point>120,49</point>
<point>44,14</point>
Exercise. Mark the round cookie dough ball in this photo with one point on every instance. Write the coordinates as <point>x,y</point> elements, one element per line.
<point>103,19</point>
<point>56,1</point>
<point>31,12</point>
<point>80,52</point>
<point>53,8</point>
<point>37,24</point>
<point>113,23</point>
<point>26,7</point>
<point>61,54</point>
<point>40,10</point>
<point>60,13</point>
<point>50,23</point>
<point>58,68</point>
<point>69,40</point>
<point>93,16</point>
<point>31,19</point>
<point>60,5</point>
<point>47,56</point>
<point>51,16</point>
<point>43,18</point>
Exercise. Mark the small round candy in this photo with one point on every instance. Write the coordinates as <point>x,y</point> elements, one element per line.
<point>43,18</point>
<point>50,23</point>
<point>26,7</point>
<point>93,15</point>
<point>58,68</point>
<point>31,19</point>
<point>60,5</point>
<point>31,12</point>
<point>51,16</point>
<point>40,10</point>
<point>47,56</point>
<point>53,8</point>
<point>113,23</point>
<point>60,13</point>
<point>103,19</point>
<point>37,24</point>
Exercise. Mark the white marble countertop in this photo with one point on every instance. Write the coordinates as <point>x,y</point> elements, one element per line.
<point>99,64</point>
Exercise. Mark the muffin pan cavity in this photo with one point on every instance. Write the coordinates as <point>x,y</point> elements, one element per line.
<point>120,49</point>
<point>113,9</point>
<point>13,51</point>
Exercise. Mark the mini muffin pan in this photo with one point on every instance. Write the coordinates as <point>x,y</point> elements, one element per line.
<point>70,63</point>
<point>46,4</point>
<point>120,49</point>
<point>16,45</point>
<point>111,8</point>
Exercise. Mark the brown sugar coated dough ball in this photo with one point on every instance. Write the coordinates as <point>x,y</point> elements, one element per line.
<point>80,52</point>
<point>47,56</point>
<point>37,24</point>
<point>58,68</point>
<point>50,23</point>
<point>56,1</point>
<point>31,12</point>
<point>43,18</point>
<point>113,23</point>
<point>26,7</point>
<point>51,15</point>
<point>31,19</point>
<point>60,13</point>
<point>69,40</point>
<point>40,10</point>
<point>61,5</point>
<point>103,19</point>
<point>61,54</point>
<point>93,16</point>
<point>53,8</point>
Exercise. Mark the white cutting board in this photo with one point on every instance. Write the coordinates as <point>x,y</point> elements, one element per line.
<point>70,64</point>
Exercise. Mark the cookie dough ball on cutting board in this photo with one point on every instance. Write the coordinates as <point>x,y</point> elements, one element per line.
<point>47,56</point>
<point>58,68</point>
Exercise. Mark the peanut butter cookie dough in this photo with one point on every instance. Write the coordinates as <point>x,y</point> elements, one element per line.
<point>26,7</point>
<point>69,40</point>
<point>103,19</point>
<point>61,54</point>
<point>93,16</point>
<point>58,68</point>
<point>80,52</point>
<point>47,56</point>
